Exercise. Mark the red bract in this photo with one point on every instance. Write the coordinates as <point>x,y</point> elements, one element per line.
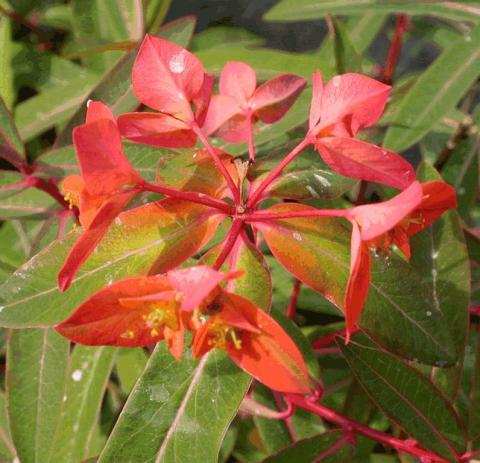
<point>144,310</point>
<point>390,222</point>
<point>106,185</point>
<point>348,103</point>
<point>168,78</point>
<point>240,103</point>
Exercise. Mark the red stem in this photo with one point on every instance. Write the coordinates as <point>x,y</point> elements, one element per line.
<point>474,310</point>
<point>466,457</point>
<point>287,419</point>
<point>189,196</point>
<point>256,196</point>
<point>395,47</point>
<point>50,189</point>
<point>330,338</point>
<point>231,184</point>
<point>405,446</point>
<point>230,240</point>
<point>292,303</point>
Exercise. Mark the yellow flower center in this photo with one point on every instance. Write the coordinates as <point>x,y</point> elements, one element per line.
<point>221,334</point>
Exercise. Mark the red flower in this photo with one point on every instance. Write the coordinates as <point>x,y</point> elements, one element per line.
<point>389,222</point>
<point>240,103</point>
<point>144,310</point>
<point>106,185</point>
<point>253,340</point>
<point>168,78</point>
<point>348,103</point>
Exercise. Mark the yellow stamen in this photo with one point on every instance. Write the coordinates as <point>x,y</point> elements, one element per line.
<point>129,334</point>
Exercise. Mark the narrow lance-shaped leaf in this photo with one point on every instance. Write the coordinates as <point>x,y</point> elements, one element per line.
<point>151,238</point>
<point>7,449</point>
<point>436,92</point>
<point>297,10</point>
<point>9,137</point>
<point>88,374</point>
<point>36,373</point>
<point>346,57</point>
<point>407,397</point>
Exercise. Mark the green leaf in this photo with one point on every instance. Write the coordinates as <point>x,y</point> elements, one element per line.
<point>347,58</point>
<point>179,415</point>
<point>267,62</point>
<point>153,238</point>
<point>307,177</point>
<point>397,315</point>
<point>194,170</point>
<point>439,254</point>
<point>297,10</point>
<point>312,448</point>
<point>129,366</point>
<point>9,136</point>
<point>407,397</point>
<point>219,36</point>
<point>7,449</point>
<point>36,368</point>
<point>30,203</point>
<point>363,29</point>
<point>436,92</point>
<point>52,106</point>
<point>63,161</point>
<point>115,88</point>
<point>88,374</point>
<point>6,76</point>
<point>155,13</point>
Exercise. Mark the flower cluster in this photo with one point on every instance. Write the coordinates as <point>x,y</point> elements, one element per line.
<point>142,310</point>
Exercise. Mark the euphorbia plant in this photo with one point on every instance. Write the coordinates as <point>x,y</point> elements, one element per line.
<point>165,302</point>
<point>251,271</point>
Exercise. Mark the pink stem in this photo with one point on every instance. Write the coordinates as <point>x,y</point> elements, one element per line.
<point>189,196</point>
<point>231,184</point>
<point>253,407</point>
<point>230,240</point>
<point>292,304</point>
<point>256,196</point>
<point>394,52</point>
<point>287,418</point>
<point>466,457</point>
<point>405,446</point>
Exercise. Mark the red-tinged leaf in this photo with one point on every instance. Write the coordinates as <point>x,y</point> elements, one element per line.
<point>91,237</point>
<point>353,101</point>
<point>156,129</point>
<point>376,219</point>
<point>221,109</point>
<point>270,356</point>
<point>194,170</point>
<point>153,238</point>
<point>358,281</point>
<point>104,320</point>
<point>196,283</point>
<point>103,164</point>
<point>96,110</point>
<point>275,97</point>
<point>316,103</point>
<point>364,161</point>
<point>167,77</point>
<point>315,250</point>
<point>238,80</point>
<point>235,129</point>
